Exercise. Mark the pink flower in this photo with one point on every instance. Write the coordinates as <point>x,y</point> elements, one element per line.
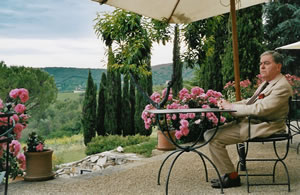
<point>197,91</point>
<point>178,134</point>
<point>191,115</point>
<point>184,130</point>
<point>212,100</point>
<point>155,97</point>
<point>15,117</point>
<point>15,147</point>
<point>14,93</point>
<point>23,95</point>
<point>210,93</point>
<point>22,160</point>
<point>18,128</point>
<point>40,147</point>
<point>205,106</point>
<point>174,117</point>
<point>245,83</point>
<point>184,123</point>
<point>184,94</point>
<point>223,119</point>
<point>24,117</point>
<point>183,116</point>
<point>1,104</point>
<point>20,108</point>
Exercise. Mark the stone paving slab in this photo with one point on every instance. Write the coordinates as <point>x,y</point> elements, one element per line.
<point>187,177</point>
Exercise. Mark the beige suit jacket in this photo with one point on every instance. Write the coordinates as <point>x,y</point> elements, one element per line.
<point>269,113</point>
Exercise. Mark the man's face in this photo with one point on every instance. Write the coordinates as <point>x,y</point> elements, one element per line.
<point>268,68</point>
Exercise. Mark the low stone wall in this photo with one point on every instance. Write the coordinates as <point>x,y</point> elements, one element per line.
<point>96,162</point>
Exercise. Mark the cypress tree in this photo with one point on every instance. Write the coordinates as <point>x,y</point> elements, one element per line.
<point>88,118</point>
<point>140,103</point>
<point>101,106</point>
<point>110,122</point>
<point>126,107</point>
<point>117,91</point>
<point>212,65</point>
<point>132,107</point>
<point>177,64</point>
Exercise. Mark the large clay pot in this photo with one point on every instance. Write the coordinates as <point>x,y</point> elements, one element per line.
<point>163,143</point>
<point>39,166</point>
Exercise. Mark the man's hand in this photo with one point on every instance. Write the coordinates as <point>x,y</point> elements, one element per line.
<point>223,104</point>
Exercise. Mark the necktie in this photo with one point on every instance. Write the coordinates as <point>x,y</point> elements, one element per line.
<point>252,100</point>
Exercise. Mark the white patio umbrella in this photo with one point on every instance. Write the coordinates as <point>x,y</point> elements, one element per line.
<point>290,46</point>
<point>186,11</point>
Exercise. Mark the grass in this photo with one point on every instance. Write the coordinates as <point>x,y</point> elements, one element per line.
<point>66,149</point>
<point>71,96</point>
<point>144,148</point>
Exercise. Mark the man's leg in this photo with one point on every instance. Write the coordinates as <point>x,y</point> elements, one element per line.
<point>226,135</point>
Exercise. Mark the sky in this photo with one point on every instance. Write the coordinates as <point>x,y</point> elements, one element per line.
<point>57,33</point>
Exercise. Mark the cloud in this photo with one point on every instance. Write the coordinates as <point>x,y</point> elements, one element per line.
<point>56,33</point>
<point>83,52</point>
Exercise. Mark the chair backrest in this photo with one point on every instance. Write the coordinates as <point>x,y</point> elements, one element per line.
<point>294,106</point>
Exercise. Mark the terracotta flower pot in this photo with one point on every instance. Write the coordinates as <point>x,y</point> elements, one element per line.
<point>163,143</point>
<point>39,166</point>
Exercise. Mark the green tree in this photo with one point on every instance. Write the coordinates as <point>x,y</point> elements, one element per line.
<point>132,35</point>
<point>101,106</point>
<point>250,41</point>
<point>110,122</point>
<point>177,64</point>
<point>126,107</point>
<point>205,41</point>
<point>41,86</point>
<point>282,27</point>
<point>88,118</point>
<point>132,93</point>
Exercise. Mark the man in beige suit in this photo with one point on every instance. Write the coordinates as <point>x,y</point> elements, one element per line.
<point>269,107</point>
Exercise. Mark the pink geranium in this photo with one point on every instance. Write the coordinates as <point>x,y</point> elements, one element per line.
<point>20,108</point>
<point>185,122</point>
<point>23,95</point>
<point>22,160</point>
<point>14,93</point>
<point>15,147</point>
<point>40,147</point>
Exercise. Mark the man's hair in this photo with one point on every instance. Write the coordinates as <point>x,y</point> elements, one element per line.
<point>277,57</point>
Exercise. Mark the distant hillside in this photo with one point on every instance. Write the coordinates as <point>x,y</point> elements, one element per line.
<point>69,79</point>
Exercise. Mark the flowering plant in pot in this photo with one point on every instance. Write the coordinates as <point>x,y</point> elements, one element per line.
<point>13,120</point>
<point>38,159</point>
<point>35,142</point>
<point>188,127</point>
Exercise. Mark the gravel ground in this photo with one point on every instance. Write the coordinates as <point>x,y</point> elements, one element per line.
<point>188,177</point>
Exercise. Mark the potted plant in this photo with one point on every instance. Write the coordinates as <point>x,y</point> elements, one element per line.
<point>185,126</point>
<point>38,159</point>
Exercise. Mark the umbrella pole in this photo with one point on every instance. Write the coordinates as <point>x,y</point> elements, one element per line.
<point>241,147</point>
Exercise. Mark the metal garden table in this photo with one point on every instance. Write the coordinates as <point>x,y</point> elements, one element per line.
<point>161,118</point>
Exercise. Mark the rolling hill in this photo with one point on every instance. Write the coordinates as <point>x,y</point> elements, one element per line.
<point>70,79</point>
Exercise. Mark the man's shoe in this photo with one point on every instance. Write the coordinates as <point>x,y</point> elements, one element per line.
<point>226,182</point>
<point>217,180</point>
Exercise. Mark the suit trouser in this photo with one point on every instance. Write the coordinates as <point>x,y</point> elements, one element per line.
<point>226,135</point>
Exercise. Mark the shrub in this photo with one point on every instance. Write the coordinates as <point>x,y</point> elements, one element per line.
<point>104,143</point>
